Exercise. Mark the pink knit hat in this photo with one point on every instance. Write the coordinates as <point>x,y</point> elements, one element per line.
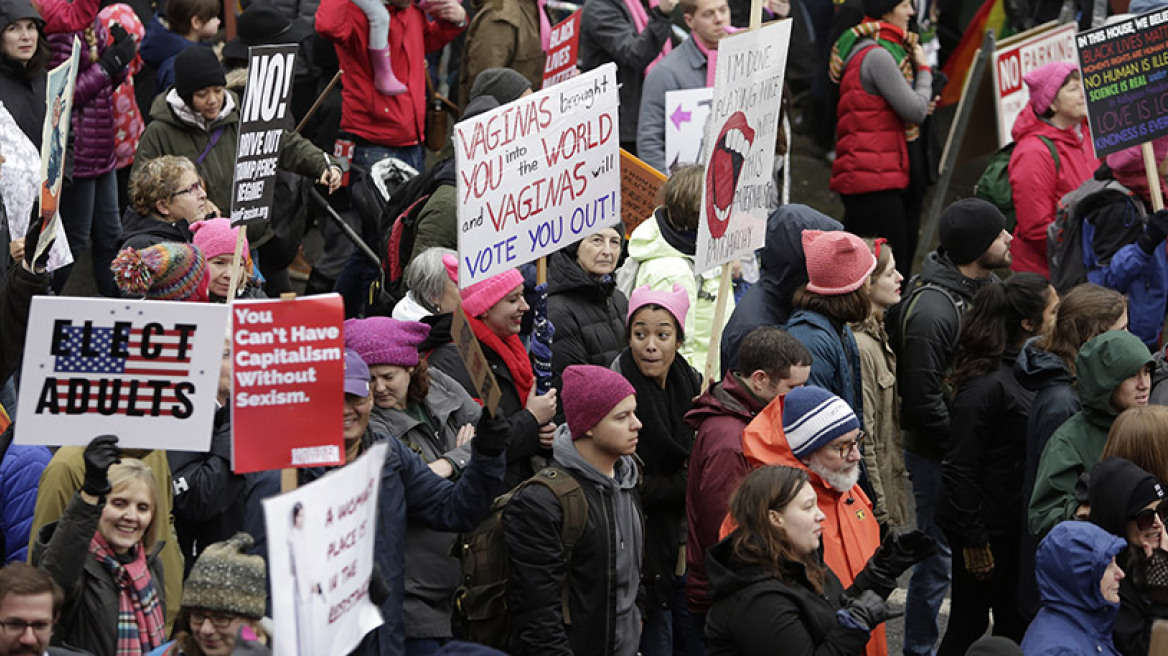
<point>216,237</point>
<point>451,264</point>
<point>675,302</point>
<point>837,262</point>
<point>381,340</point>
<point>1131,160</point>
<point>1044,83</point>
<point>589,393</point>
<point>482,295</point>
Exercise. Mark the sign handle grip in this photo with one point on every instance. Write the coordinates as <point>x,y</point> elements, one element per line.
<point>755,14</point>
<point>288,480</point>
<point>716,329</point>
<point>236,265</point>
<point>1152,169</point>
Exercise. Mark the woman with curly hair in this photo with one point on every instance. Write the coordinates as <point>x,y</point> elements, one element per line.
<point>166,196</point>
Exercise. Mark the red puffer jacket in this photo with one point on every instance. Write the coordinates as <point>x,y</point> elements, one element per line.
<point>871,150</point>
<point>384,120</point>
<point>93,104</point>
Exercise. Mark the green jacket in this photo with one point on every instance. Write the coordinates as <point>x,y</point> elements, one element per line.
<point>438,221</point>
<point>175,130</point>
<point>1102,364</point>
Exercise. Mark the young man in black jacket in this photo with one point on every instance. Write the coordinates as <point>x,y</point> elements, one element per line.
<point>923,330</point>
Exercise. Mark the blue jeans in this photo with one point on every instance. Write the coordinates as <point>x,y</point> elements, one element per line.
<point>930,578</point>
<point>366,155</point>
<point>89,209</point>
<point>657,632</point>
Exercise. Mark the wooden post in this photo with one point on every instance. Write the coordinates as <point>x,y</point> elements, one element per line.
<point>319,100</point>
<point>236,265</point>
<point>755,14</point>
<point>288,480</point>
<point>541,270</point>
<point>1152,169</point>
<point>716,330</point>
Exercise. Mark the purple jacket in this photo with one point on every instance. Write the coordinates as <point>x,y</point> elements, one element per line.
<point>93,105</point>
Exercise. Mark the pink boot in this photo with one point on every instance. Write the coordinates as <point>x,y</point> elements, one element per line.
<point>383,78</point>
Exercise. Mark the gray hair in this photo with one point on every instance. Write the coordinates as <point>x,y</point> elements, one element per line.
<point>426,276</point>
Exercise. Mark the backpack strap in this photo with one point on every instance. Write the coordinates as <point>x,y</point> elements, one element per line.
<point>574,505</point>
<point>1053,151</point>
<point>957,304</point>
<point>210,144</point>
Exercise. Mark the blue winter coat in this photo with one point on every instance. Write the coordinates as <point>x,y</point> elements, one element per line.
<point>159,48</point>
<point>835,357</point>
<point>20,474</point>
<point>1075,619</point>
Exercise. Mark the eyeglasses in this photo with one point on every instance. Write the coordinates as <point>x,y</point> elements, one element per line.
<point>846,448</point>
<point>193,189</point>
<point>218,620</point>
<point>15,628</point>
<point>1146,517</point>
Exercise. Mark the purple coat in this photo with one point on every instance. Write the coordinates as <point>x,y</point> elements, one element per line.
<point>93,104</point>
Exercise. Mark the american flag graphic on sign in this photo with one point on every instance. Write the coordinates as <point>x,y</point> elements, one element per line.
<point>97,356</point>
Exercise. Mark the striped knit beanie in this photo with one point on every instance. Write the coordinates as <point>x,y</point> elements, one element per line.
<point>813,417</point>
<point>228,579</point>
<point>170,271</point>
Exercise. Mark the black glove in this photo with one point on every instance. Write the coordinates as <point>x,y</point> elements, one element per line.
<point>899,551</point>
<point>99,455</point>
<point>32,238</point>
<point>1154,232</point>
<point>492,435</point>
<point>866,612</point>
<point>118,54</point>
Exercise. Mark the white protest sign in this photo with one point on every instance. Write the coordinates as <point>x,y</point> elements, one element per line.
<point>1013,61</point>
<point>537,174</point>
<point>146,371</point>
<point>320,559</point>
<point>59,86</point>
<point>686,112</point>
<point>739,146</point>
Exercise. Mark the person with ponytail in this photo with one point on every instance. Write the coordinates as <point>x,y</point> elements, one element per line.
<point>982,505</point>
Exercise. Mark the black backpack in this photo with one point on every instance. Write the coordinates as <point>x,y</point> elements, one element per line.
<point>399,223</point>
<point>1064,235</point>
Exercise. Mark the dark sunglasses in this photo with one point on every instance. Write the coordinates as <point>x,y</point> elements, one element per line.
<point>1146,517</point>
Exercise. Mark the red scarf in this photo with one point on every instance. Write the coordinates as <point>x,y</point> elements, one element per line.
<point>513,353</point>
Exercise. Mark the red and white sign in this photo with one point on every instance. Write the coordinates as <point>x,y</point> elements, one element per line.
<point>1013,61</point>
<point>563,51</point>
<point>287,382</point>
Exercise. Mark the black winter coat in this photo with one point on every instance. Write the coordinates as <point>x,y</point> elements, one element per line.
<point>589,316</point>
<point>140,232</point>
<point>981,499</point>
<point>756,614</point>
<point>24,98</point>
<point>19,288</point>
<point>925,341</point>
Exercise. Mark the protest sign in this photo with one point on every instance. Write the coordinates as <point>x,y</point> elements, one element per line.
<point>1013,59</point>
<point>686,112</point>
<point>740,144</point>
<point>146,371</point>
<point>54,137</point>
<point>262,119</point>
<point>563,51</point>
<point>288,371</point>
<point>320,559</point>
<point>639,186</point>
<point>537,174</point>
<point>1125,78</point>
<point>475,362</point>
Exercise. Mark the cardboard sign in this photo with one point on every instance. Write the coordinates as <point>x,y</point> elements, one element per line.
<point>262,118</point>
<point>1013,61</point>
<point>320,559</point>
<point>537,174</point>
<point>287,382</point>
<point>686,113</point>
<point>1125,78</point>
<point>146,371</point>
<point>54,137</point>
<point>475,362</point>
<point>639,186</point>
<point>563,51</point>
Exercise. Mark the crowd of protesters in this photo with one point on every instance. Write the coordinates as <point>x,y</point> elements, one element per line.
<point>989,435</point>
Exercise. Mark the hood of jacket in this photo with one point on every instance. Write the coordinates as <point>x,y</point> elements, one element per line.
<point>728,398</point>
<point>1069,565</point>
<point>765,443</point>
<point>1102,364</point>
<point>1037,368</point>
<point>939,270</point>
<point>1028,123</point>
<point>566,276</point>
<point>134,224</point>
<point>1111,484</point>
<point>784,265</point>
<point>170,109</point>
<point>565,453</point>
<point>647,242</point>
<point>442,400</point>
<point>725,578</point>
<point>160,44</point>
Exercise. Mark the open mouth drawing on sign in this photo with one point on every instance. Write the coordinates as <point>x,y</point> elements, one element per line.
<point>730,151</point>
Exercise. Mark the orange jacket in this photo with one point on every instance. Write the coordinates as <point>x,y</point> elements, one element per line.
<point>850,532</point>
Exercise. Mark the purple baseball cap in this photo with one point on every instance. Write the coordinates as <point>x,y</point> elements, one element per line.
<point>356,374</point>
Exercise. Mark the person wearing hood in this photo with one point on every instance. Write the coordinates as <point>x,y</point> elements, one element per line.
<point>982,506</point>
<point>923,330</point>
<point>23,64</point>
<point>1053,155</point>
<point>1113,374</point>
<point>584,304</point>
<point>770,589</point>
<point>783,269</point>
<point>596,447</point>
<point>1079,582</point>
<point>1126,253</point>
<point>1046,367</point>
<point>1128,502</point>
<point>773,363</point>
<point>663,247</point>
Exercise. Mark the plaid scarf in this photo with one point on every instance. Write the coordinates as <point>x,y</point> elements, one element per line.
<point>141,627</point>
<point>892,39</point>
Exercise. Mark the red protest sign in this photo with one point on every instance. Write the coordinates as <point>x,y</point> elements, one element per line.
<point>563,51</point>
<point>287,379</point>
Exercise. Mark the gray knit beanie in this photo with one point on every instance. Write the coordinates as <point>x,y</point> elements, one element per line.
<point>227,579</point>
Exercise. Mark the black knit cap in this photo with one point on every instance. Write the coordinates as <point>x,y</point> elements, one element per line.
<point>968,228</point>
<point>196,68</point>
<point>1117,490</point>
<point>877,8</point>
<point>14,10</point>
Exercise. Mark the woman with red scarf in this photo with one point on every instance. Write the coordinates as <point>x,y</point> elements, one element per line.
<point>885,93</point>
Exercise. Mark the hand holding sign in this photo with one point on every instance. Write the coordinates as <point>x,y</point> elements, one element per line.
<point>35,246</point>
<point>101,454</point>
